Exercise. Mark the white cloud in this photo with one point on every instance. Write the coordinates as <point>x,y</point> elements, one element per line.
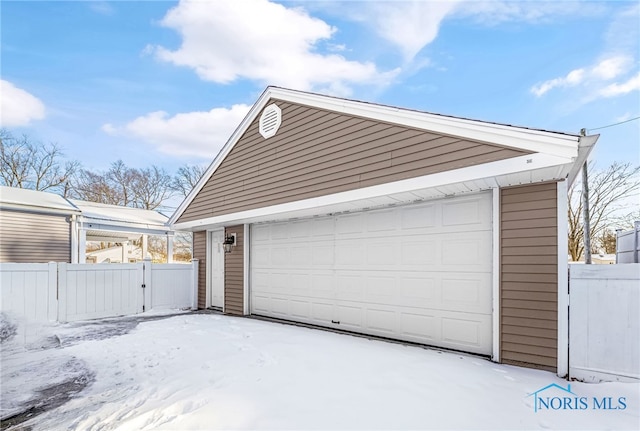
<point>496,12</point>
<point>18,107</point>
<point>573,78</point>
<point>605,70</point>
<point>101,7</point>
<point>199,134</point>
<point>224,41</point>
<point>616,89</point>
<point>410,25</point>
<point>610,68</point>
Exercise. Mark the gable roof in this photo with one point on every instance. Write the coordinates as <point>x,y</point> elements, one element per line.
<point>555,144</point>
<point>37,201</point>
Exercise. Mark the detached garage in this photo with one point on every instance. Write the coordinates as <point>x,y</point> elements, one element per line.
<point>407,225</point>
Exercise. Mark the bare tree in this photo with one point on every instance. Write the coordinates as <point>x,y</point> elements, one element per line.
<point>186,178</point>
<point>152,186</point>
<point>608,189</point>
<point>121,185</point>
<point>33,165</point>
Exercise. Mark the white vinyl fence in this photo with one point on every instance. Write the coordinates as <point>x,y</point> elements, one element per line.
<point>63,292</point>
<point>628,245</point>
<point>604,324</point>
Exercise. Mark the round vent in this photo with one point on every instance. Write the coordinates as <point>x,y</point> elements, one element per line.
<point>270,120</point>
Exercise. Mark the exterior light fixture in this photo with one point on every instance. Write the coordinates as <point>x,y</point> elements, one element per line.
<point>229,242</point>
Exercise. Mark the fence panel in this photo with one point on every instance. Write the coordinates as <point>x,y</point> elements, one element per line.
<point>169,285</point>
<point>29,290</point>
<point>604,327</point>
<point>99,290</point>
<point>628,245</point>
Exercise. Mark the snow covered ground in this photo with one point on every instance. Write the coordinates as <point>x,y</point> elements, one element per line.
<point>208,371</point>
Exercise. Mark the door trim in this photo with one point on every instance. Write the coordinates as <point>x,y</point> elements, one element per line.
<point>209,271</point>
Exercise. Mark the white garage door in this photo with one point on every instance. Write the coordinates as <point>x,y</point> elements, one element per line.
<point>419,273</point>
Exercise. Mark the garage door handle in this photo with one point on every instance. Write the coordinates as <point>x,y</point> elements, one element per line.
<point>337,322</point>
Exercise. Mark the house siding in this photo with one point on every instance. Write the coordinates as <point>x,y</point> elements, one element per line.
<point>234,273</point>
<point>34,238</point>
<point>529,275</point>
<point>200,253</point>
<point>318,152</point>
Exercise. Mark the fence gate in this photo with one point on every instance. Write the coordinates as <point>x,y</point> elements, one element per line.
<point>96,291</point>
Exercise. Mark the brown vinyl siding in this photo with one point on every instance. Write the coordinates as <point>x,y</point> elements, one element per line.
<point>34,238</point>
<point>317,152</point>
<point>529,275</point>
<point>234,273</point>
<point>200,253</point>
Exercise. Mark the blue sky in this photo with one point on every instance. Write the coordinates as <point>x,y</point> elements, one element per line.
<point>166,82</point>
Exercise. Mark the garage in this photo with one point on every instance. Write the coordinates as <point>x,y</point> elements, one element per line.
<point>393,222</point>
<point>419,272</point>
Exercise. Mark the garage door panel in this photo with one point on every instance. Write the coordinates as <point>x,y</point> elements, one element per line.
<point>300,309</point>
<point>322,312</point>
<point>382,253</point>
<point>465,212</point>
<point>350,286</point>
<point>460,332</point>
<point>350,317</point>
<point>350,224</point>
<point>419,217</point>
<point>421,328</point>
<point>382,221</point>
<point>322,286</point>
<point>471,295</point>
<point>300,229</point>
<point>419,253</point>
<point>380,289</point>
<point>260,304</point>
<point>280,306</point>
<point>468,253</point>
<point>323,227</point>
<point>417,290</point>
<point>260,233</point>
<point>323,255</point>
<point>381,320</point>
<point>349,253</point>
<point>419,273</point>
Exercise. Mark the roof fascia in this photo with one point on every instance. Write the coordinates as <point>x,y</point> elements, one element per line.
<point>586,144</point>
<point>38,209</point>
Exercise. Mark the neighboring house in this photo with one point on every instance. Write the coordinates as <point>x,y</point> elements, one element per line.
<point>603,259</point>
<point>39,226</point>
<point>391,222</point>
<point>35,226</point>
<point>123,253</point>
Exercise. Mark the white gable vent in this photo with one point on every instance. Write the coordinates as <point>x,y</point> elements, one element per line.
<point>270,120</point>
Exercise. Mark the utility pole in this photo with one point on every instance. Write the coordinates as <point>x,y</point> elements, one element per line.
<point>585,210</point>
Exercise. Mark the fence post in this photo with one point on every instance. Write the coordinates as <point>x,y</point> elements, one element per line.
<point>52,292</point>
<point>194,282</point>
<point>62,292</point>
<point>147,283</point>
<point>636,229</point>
